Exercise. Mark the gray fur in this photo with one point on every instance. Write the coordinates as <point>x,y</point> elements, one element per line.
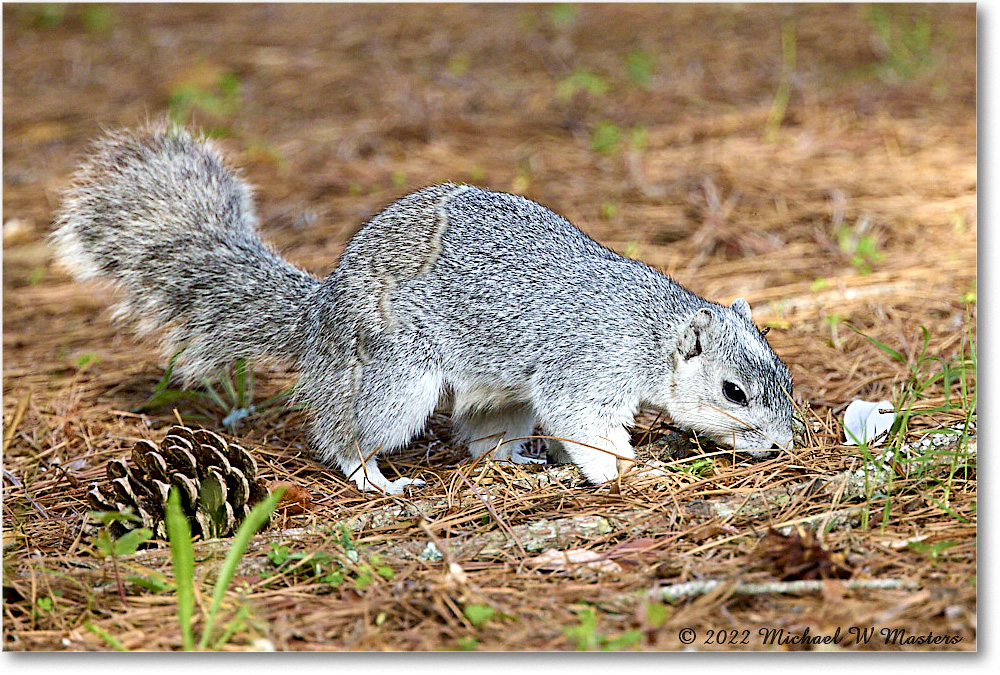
<point>161,215</point>
<point>451,294</point>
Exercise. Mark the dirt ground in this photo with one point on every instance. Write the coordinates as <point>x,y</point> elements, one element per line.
<point>830,181</point>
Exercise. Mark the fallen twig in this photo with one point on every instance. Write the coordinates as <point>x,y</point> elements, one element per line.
<point>692,589</point>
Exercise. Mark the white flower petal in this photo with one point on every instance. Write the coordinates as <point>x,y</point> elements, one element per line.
<point>878,423</point>
<point>854,421</point>
<point>864,423</point>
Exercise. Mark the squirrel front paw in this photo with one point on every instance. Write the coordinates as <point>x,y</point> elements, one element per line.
<point>391,487</point>
<point>396,487</point>
<point>532,451</point>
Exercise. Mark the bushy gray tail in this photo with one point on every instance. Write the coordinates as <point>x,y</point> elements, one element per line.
<point>160,214</point>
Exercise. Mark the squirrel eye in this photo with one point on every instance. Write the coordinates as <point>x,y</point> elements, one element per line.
<point>734,393</point>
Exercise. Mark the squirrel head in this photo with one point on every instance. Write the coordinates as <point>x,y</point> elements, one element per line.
<point>727,383</point>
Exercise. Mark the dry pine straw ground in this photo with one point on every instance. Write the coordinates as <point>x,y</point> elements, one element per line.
<point>898,154</point>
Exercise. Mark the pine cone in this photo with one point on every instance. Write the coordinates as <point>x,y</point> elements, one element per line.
<point>217,483</point>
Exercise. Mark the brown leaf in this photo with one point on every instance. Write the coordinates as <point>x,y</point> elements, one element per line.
<point>800,555</point>
<point>296,499</point>
<point>710,530</point>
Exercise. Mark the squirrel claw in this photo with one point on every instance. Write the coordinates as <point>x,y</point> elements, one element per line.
<point>372,480</point>
<point>518,458</point>
<point>653,467</point>
<point>397,486</point>
<point>529,452</point>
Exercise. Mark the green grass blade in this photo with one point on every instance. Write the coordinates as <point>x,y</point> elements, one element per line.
<point>168,373</point>
<point>114,642</point>
<point>168,396</point>
<point>280,397</point>
<point>214,395</point>
<point>947,509</point>
<point>244,383</point>
<point>182,558</point>
<point>240,375</point>
<point>162,394</point>
<point>238,623</point>
<point>255,519</point>
<point>927,339</point>
<point>226,380</point>
<point>884,347</point>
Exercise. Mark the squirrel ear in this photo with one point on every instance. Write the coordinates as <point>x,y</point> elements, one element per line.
<point>742,307</point>
<point>698,335</point>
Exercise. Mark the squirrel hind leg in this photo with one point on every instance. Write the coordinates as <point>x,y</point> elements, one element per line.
<point>494,432</point>
<point>393,403</point>
<point>361,410</point>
